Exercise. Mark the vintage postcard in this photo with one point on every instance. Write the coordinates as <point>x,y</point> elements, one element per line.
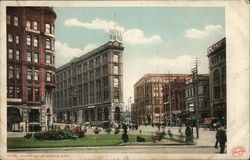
<point>124,80</point>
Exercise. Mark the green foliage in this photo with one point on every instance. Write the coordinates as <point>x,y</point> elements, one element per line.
<point>87,141</point>
<point>59,134</point>
<point>140,139</point>
<point>125,137</point>
<point>108,130</point>
<point>28,135</point>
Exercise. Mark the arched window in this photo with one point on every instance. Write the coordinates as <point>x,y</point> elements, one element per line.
<point>115,58</point>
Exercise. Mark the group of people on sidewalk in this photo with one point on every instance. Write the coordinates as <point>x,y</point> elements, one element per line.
<point>221,136</point>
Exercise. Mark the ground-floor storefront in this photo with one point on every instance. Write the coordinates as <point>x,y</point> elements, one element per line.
<point>29,118</point>
<point>93,114</point>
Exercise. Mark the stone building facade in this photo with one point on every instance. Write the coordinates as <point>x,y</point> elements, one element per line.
<point>148,98</point>
<point>89,88</point>
<point>217,79</point>
<point>30,67</point>
<point>202,83</point>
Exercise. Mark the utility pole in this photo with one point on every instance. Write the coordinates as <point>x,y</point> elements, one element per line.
<point>195,89</point>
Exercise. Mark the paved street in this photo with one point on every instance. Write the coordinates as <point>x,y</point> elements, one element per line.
<point>125,149</point>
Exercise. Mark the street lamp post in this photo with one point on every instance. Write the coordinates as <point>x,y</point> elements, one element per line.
<point>191,109</point>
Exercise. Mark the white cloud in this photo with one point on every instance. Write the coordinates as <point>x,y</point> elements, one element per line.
<point>136,36</point>
<point>65,53</point>
<point>206,32</point>
<point>130,36</point>
<point>96,24</point>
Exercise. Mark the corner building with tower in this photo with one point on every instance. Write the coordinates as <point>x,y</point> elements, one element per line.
<point>89,87</point>
<point>30,67</point>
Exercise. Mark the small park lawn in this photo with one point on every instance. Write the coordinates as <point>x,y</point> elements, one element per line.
<point>86,141</point>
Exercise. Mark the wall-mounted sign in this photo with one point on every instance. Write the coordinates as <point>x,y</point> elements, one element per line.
<point>215,46</point>
<point>115,34</point>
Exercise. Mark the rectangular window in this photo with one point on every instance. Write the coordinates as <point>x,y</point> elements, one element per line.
<point>36,57</point>
<point>35,25</point>
<point>11,92</point>
<point>35,41</point>
<point>30,94</point>
<point>49,76</point>
<point>15,21</point>
<point>48,59</point>
<point>29,74</point>
<point>10,38</point>
<point>28,40</point>
<point>53,44</point>
<point>17,39</point>
<point>36,74</point>
<point>8,19</point>
<point>28,24</point>
<point>47,44</point>
<point>17,73</point>
<point>29,56</point>
<point>18,94</point>
<point>17,55</point>
<point>116,71</point>
<point>52,29</point>
<point>47,28</point>
<point>10,53</point>
<point>37,94</point>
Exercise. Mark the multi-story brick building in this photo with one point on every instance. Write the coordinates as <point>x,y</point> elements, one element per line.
<point>202,83</point>
<point>148,97</point>
<point>176,91</point>
<point>89,88</point>
<point>30,67</point>
<point>217,79</point>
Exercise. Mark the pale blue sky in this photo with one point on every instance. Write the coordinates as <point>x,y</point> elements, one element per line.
<point>156,39</point>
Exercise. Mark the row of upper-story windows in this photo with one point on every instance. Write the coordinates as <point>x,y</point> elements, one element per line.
<point>49,43</point>
<point>95,62</point>
<point>14,92</point>
<point>218,58</point>
<point>30,24</point>
<point>34,74</point>
<point>12,55</point>
<point>14,72</point>
<point>13,20</point>
<point>11,38</point>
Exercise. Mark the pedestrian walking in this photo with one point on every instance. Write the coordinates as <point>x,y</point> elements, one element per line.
<point>222,138</point>
<point>217,137</point>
